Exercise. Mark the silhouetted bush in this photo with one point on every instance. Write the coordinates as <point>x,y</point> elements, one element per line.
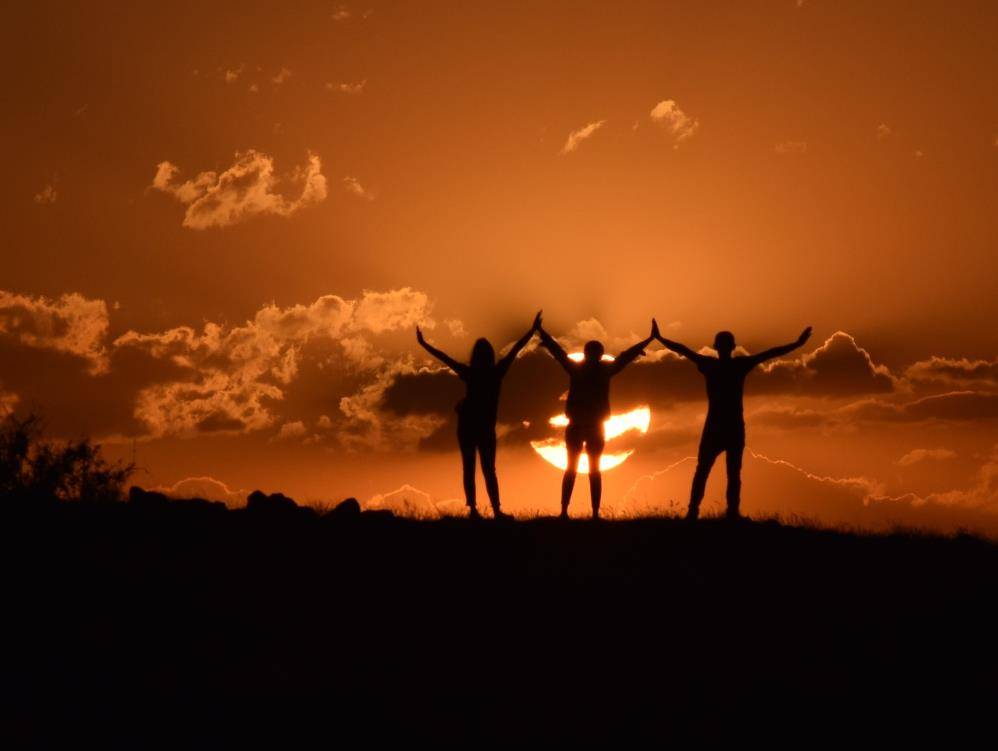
<point>35,469</point>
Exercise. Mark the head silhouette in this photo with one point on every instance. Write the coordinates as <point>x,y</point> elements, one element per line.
<point>593,351</point>
<point>724,343</point>
<point>482,354</point>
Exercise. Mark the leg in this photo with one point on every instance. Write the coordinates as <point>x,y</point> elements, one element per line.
<point>467,445</point>
<point>594,450</point>
<point>573,445</point>
<point>705,460</point>
<point>733,458</point>
<point>487,455</point>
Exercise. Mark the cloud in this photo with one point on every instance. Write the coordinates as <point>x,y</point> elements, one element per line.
<point>354,187</point>
<point>883,131</point>
<point>838,368</point>
<point>8,401</point>
<point>954,406</point>
<point>791,147</point>
<point>915,456</point>
<point>406,501</point>
<point>203,487</point>
<point>341,13</point>
<point>280,77</point>
<point>954,372</point>
<point>292,430</point>
<point>773,486</point>
<point>236,375</point>
<point>675,122</point>
<point>72,324</point>
<point>244,190</point>
<point>357,87</point>
<point>47,195</point>
<point>231,75</point>
<point>576,137</point>
<point>456,327</point>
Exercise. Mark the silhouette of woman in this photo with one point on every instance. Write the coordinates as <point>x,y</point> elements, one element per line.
<point>477,411</point>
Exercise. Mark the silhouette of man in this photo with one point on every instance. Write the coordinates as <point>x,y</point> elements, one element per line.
<point>478,410</point>
<point>588,406</point>
<point>724,429</point>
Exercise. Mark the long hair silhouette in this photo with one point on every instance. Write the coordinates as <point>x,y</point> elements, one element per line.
<point>478,410</point>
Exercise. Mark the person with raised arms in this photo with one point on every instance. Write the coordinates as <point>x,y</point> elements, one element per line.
<point>478,410</point>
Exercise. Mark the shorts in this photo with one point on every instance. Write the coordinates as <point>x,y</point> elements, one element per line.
<point>591,435</point>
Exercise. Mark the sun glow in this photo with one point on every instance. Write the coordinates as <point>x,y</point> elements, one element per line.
<point>553,450</point>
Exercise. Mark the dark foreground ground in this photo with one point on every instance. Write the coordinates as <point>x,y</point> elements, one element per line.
<point>191,626</point>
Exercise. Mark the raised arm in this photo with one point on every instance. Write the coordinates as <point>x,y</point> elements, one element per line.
<point>783,349</point>
<point>510,356</point>
<point>458,367</point>
<point>630,354</point>
<point>556,350</point>
<point>679,349</point>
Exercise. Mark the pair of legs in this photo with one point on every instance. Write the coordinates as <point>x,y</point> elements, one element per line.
<point>712,444</point>
<point>481,441</point>
<point>590,439</point>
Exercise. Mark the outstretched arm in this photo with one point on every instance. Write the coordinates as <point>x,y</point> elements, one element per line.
<point>630,354</point>
<point>783,349</point>
<point>556,350</point>
<point>510,356</point>
<point>450,362</point>
<point>682,349</point>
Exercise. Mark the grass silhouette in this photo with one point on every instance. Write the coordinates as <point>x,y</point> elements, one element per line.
<point>157,621</point>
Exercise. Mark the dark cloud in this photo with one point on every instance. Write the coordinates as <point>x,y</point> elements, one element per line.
<point>838,368</point>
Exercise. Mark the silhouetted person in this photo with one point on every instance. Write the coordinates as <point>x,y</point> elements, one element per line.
<point>477,411</point>
<point>588,406</point>
<point>724,429</point>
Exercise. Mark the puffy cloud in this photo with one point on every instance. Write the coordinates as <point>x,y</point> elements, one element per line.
<point>245,189</point>
<point>838,368</point>
<point>71,324</point>
<point>47,195</point>
<point>456,327</point>
<point>357,87</point>
<point>231,75</point>
<point>791,147</point>
<point>675,122</point>
<point>578,136</point>
<point>406,501</point>
<point>353,186</point>
<point>954,373</point>
<point>237,374</point>
<point>883,131</point>
<point>341,13</point>
<point>916,456</point>
<point>281,76</point>
<point>292,430</point>
<point>203,487</point>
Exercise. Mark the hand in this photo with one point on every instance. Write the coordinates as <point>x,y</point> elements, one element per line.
<point>654,329</point>
<point>537,321</point>
<point>804,336</point>
<point>419,336</point>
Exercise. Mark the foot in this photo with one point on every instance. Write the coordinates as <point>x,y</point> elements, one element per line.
<point>692,514</point>
<point>473,513</point>
<point>563,514</point>
<point>500,515</point>
<point>733,515</point>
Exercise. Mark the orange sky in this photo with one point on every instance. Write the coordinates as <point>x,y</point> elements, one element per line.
<point>223,224</point>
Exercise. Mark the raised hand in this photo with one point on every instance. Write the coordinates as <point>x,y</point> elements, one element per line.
<point>804,336</point>
<point>419,336</point>
<point>654,330</point>
<point>537,321</point>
